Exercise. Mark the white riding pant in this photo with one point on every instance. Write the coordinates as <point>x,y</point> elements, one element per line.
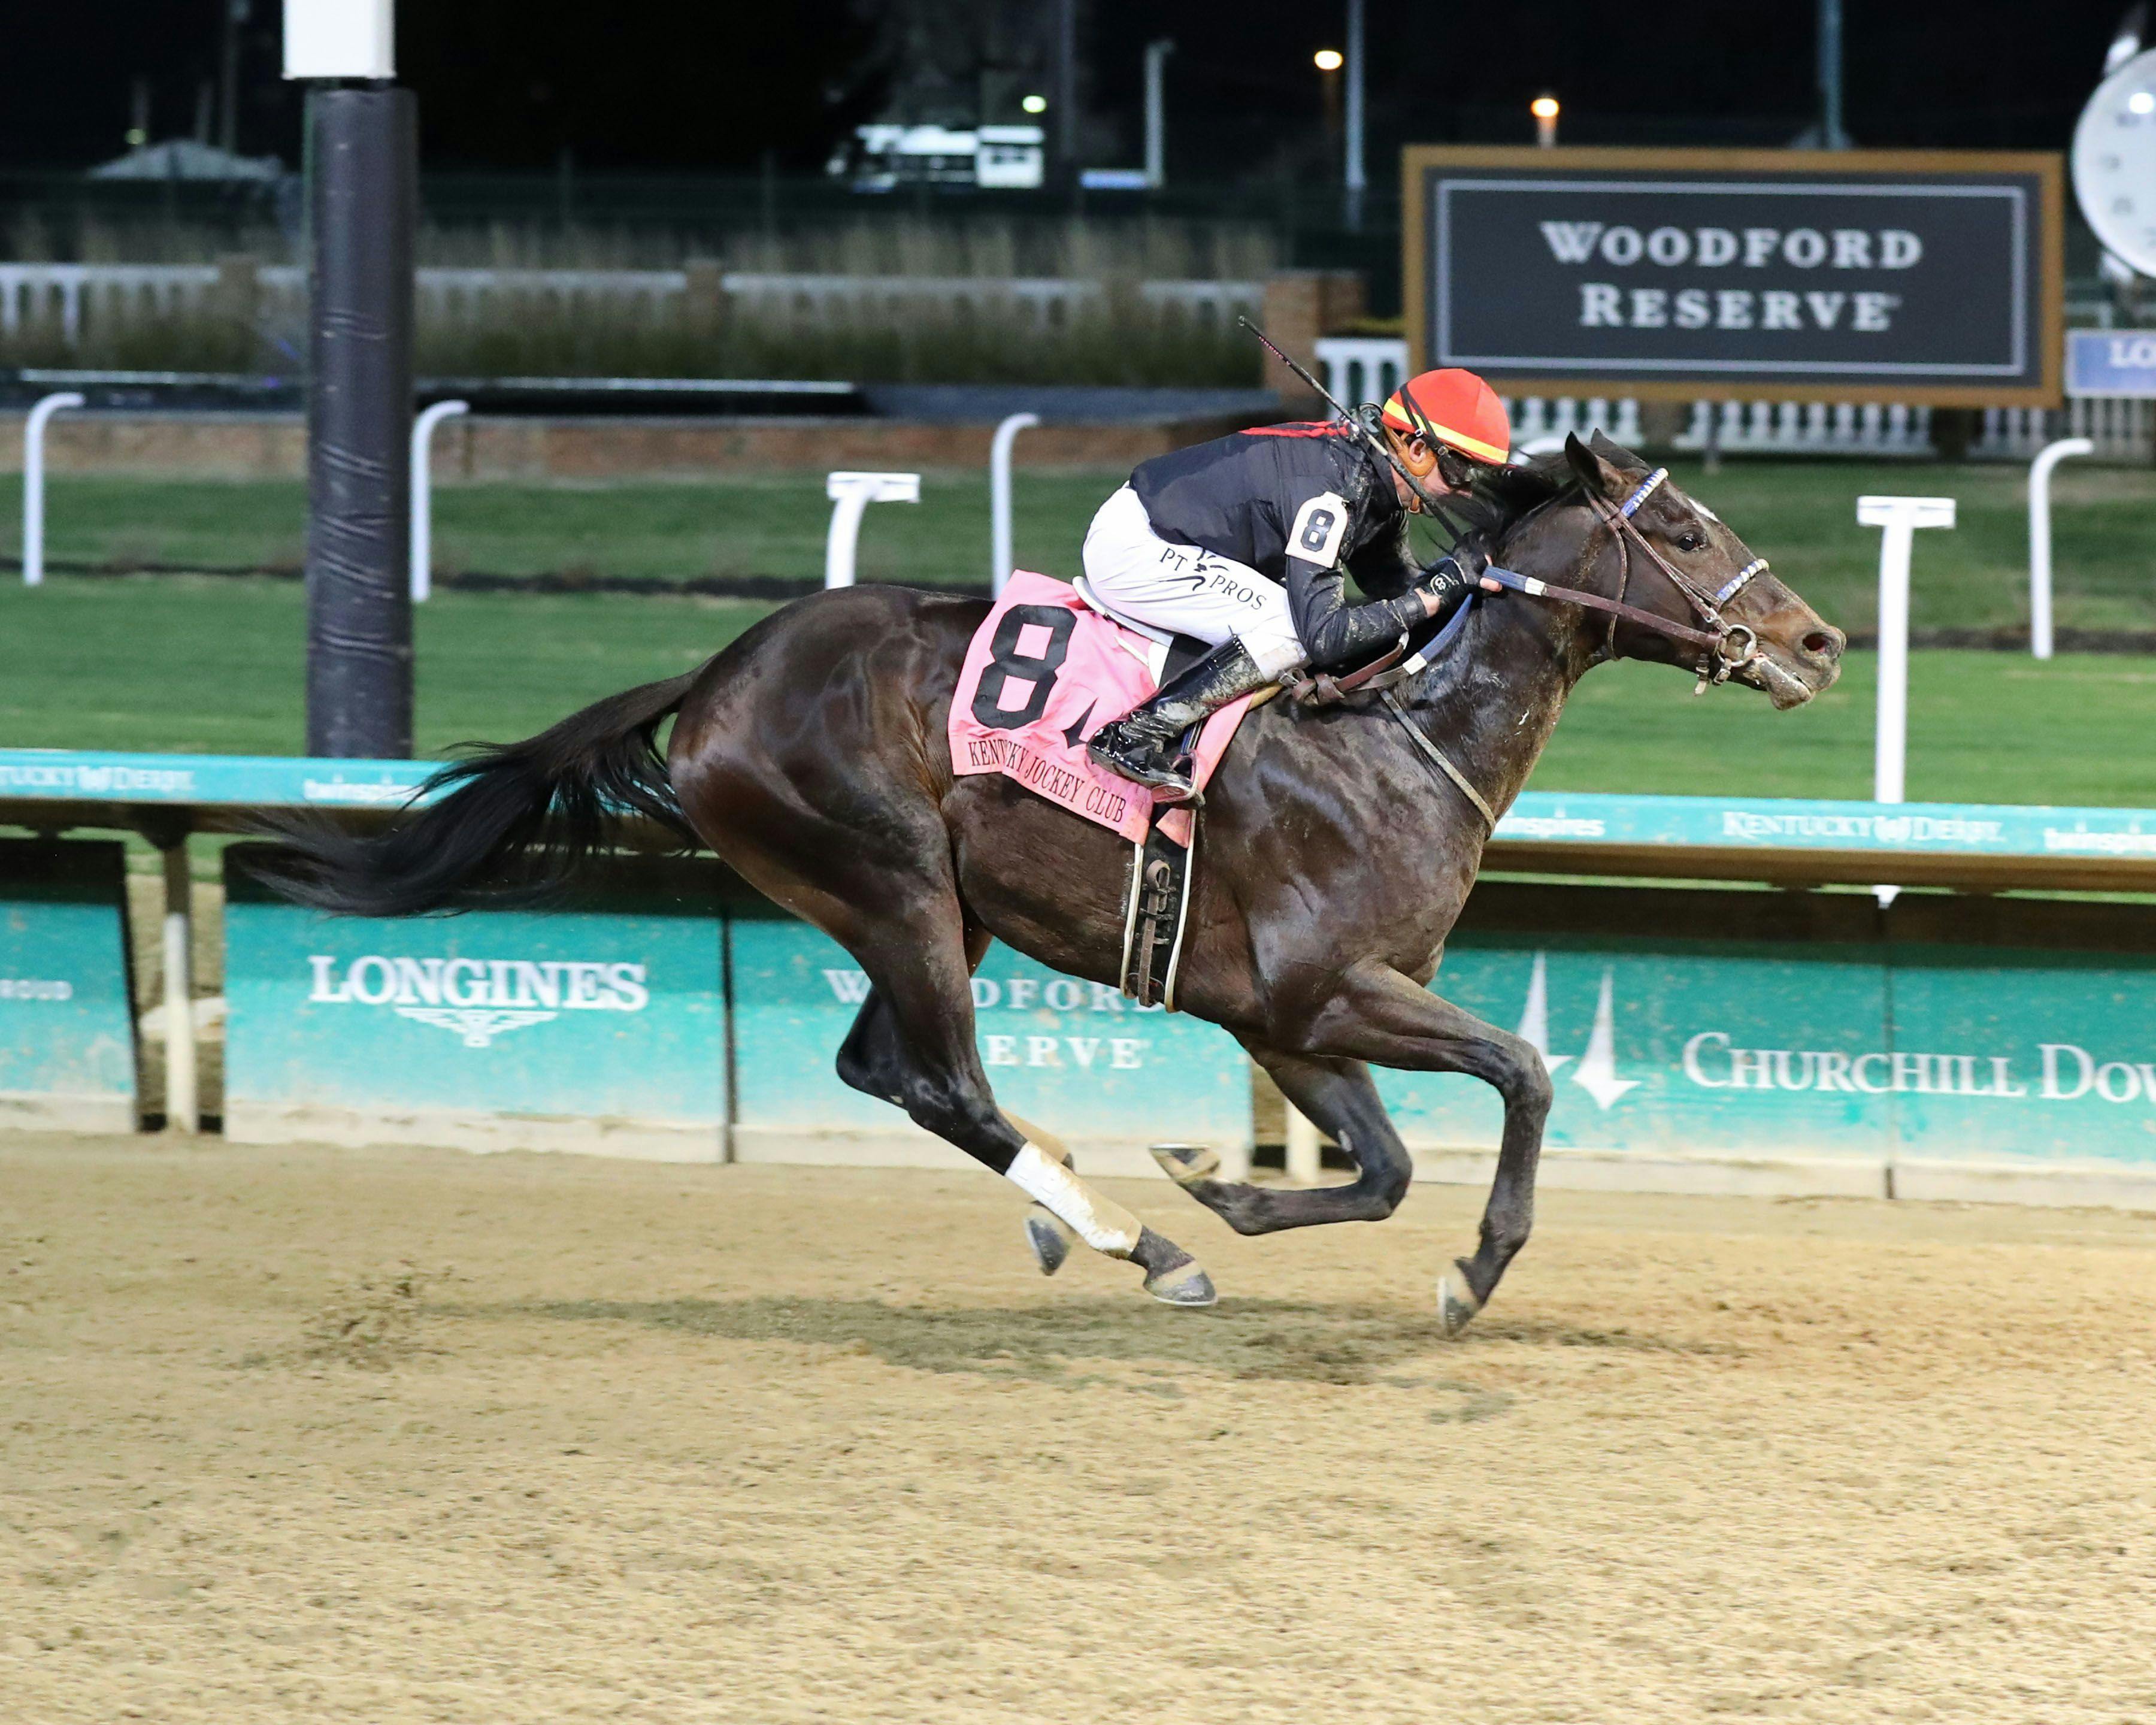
<point>1132,570</point>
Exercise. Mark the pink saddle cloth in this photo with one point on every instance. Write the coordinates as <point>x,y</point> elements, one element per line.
<point>1043,674</point>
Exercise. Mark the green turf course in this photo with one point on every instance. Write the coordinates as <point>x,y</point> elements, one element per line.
<point>1800,515</point>
<point>185,663</point>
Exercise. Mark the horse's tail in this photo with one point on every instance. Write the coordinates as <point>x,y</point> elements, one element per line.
<point>507,824</point>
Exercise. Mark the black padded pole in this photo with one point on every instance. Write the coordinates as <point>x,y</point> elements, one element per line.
<point>363,200</point>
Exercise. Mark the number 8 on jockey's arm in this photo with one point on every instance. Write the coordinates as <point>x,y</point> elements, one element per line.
<point>1245,542</point>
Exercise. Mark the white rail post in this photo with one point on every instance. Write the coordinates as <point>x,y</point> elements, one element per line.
<point>1000,498</point>
<point>1305,1149</point>
<point>853,493</point>
<point>422,493</point>
<point>1156,113</point>
<point>34,483</point>
<point>1899,517</point>
<point>182,1110</point>
<point>2040,537</point>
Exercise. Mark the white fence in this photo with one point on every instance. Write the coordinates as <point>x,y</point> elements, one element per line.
<point>74,298</point>
<point>1369,368</point>
<point>61,295</point>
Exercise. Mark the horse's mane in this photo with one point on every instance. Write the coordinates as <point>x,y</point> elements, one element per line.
<point>1503,497</point>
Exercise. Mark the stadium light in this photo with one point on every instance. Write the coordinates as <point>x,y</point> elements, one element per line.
<point>1034,104</point>
<point>340,38</point>
<point>1545,110</point>
<point>1328,59</point>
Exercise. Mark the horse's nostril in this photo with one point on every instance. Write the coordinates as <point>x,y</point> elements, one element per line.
<point>1822,643</point>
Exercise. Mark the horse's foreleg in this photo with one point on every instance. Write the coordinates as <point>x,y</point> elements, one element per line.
<point>1375,1015</point>
<point>1391,1021</point>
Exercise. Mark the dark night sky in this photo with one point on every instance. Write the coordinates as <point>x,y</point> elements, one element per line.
<point>664,85</point>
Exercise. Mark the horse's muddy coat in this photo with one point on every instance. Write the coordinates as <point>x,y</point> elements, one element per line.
<point>812,756</point>
<point>655,1444</point>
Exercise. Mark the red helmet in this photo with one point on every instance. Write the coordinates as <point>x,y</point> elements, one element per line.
<point>1454,408</point>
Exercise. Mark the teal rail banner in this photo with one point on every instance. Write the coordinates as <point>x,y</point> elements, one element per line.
<point>1076,1058</point>
<point>2023,1035</point>
<point>67,1012</point>
<point>1811,1039</point>
<point>1658,1049</point>
<point>597,1026</point>
<point>62,776</point>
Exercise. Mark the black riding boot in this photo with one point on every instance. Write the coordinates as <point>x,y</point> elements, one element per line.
<point>1145,744</point>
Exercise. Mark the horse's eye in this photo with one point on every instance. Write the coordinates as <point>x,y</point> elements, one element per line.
<point>1689,541</point>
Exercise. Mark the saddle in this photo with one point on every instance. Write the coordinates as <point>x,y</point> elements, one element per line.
<point>1047,668</point>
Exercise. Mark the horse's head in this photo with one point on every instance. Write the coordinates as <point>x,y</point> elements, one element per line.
<point>1798,654</point>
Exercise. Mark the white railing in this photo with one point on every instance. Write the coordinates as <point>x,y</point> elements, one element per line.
<point>2121,429</point>
<point>72,297</point>
<point>63,295</point>
<point>1358,368</point>
<point>1546,420</point>
<point>1044,302</point>
<point>1789,427</point>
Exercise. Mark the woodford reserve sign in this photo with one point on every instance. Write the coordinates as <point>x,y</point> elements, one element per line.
<point>1849,275</point>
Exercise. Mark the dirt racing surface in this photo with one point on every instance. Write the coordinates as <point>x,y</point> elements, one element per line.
<point>400,1436</point>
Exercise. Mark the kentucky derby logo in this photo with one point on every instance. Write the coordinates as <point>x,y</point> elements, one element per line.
<point>478,999</point>
<point>1597,1070</point>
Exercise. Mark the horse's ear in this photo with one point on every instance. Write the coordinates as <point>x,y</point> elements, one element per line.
<point>1600,478</point>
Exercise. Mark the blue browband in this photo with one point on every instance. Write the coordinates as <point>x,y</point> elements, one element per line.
<point>1647,490</point>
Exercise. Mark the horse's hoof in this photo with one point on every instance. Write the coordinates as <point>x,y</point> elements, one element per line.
<point>1186,1285</point>
<point>1172,1276</point>
<point>1457,1304</point>
<point>1187,1164</point>
<point>1050,1236</point>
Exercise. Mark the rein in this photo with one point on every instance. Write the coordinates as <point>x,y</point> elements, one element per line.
<point>1726,647</point>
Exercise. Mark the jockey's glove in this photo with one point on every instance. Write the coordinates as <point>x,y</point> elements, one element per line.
<point>1448,578</point>
<point>1451,575</point>
<point>1466,561</point>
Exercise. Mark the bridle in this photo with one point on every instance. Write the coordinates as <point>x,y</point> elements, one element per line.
<point>1726,647</point>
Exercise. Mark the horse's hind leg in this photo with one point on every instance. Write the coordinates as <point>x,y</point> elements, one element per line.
<point>1339,1098</point>
<point>913,1044</point>
<point>875,1060</point>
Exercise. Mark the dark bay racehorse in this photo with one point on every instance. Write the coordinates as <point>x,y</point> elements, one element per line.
<point>811,755</point>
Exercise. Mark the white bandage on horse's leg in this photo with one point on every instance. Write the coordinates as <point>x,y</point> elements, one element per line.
<point>1103,1224</point>
<point>1051,1145</point>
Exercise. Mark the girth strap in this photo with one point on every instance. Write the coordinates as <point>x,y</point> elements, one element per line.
<point>1436,755</point>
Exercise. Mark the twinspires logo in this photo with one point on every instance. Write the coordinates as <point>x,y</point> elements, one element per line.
<point>479,999</point>
<point>1597,1071</point>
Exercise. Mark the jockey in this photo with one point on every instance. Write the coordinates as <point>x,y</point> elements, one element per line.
<point>1244,542</point>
